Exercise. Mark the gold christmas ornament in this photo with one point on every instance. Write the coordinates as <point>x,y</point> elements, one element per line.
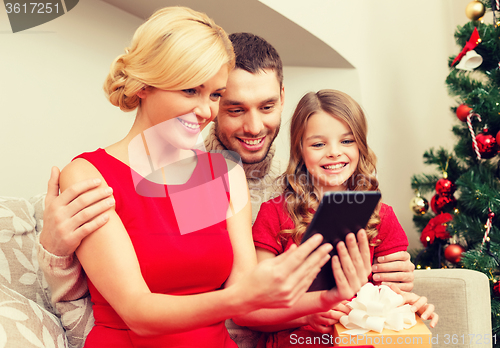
<point>419,205</point>
<point>475,10</point>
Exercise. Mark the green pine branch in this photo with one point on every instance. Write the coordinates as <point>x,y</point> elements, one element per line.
<point>424,183</point>
<point>460,83</point>
<point>479,189</point>
<point>478,260</point>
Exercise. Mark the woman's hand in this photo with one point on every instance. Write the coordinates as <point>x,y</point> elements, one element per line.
<point>419,305</point>
<point>323,322</point>
<point>351,268</point>
<point>282,280</point>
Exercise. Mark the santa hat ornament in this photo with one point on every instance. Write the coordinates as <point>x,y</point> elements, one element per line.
<point>474,40</point>
<point>470,61</point>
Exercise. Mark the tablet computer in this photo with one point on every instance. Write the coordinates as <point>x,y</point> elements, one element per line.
<point>339,213</point>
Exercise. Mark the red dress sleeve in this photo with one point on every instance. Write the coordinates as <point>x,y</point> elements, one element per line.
<point>272,219</point>
<point>391,236</point>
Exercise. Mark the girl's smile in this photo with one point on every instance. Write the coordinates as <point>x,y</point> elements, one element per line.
<point>334,168</point>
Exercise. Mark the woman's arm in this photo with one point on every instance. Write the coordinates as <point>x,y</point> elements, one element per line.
<point>68,218</point>
<point>239,224</point>
<point>280,320</point>
<point>310,310</point>
<point>240,232</point>
<point>350,268</point>
<point>109,260</point>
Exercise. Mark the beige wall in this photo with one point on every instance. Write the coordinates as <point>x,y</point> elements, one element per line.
<point>52,103</point>
<point>53,106</point>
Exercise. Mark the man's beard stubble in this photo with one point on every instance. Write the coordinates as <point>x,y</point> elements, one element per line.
<point>225,141</point>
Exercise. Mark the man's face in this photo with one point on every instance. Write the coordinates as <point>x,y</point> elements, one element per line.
<point>250,113</point>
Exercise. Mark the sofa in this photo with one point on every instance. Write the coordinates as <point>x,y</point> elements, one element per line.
<point>28,319</point>
<point>463,302</point>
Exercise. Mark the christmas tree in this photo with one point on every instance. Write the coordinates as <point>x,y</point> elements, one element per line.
<point>462,228</point>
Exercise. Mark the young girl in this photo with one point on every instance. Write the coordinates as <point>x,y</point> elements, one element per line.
<point>160,272</point>
<point>329,152</point>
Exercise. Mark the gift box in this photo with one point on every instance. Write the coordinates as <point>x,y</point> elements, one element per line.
<point>417,336</point>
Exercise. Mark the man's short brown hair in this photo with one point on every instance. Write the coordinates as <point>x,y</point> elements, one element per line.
<point>254,54</point>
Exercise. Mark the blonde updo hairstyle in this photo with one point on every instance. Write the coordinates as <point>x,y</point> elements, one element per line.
<point>176,48</point>
<point>298,188</point>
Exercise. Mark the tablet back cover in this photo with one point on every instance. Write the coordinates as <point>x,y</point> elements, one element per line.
<point>338,214</point>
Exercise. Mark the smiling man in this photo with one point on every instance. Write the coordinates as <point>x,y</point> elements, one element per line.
<point>250,115</point>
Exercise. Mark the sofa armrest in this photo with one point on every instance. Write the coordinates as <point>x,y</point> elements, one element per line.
<point>462,300</point>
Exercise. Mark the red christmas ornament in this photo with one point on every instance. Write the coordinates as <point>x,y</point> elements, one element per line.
<point>497,138</point>
<point>436,228</point>
<point>462,112</point>
<point>442,203</point>
<point>487,144</point>
<point>445,187</point>
<point>453,253</point>
<point>496,289</point>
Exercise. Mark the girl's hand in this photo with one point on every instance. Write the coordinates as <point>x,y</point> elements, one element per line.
<point>282,280</point>
<point>418,304</point>
<point>323,322</point>
<point>351,268</point>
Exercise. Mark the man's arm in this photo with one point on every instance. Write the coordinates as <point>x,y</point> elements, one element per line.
<point>68,218</point>
<point>71,216</point>
<point>395,269</point>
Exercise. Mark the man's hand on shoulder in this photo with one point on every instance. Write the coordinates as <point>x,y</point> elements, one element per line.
<point>395,268</point>
<point>71,216</point>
